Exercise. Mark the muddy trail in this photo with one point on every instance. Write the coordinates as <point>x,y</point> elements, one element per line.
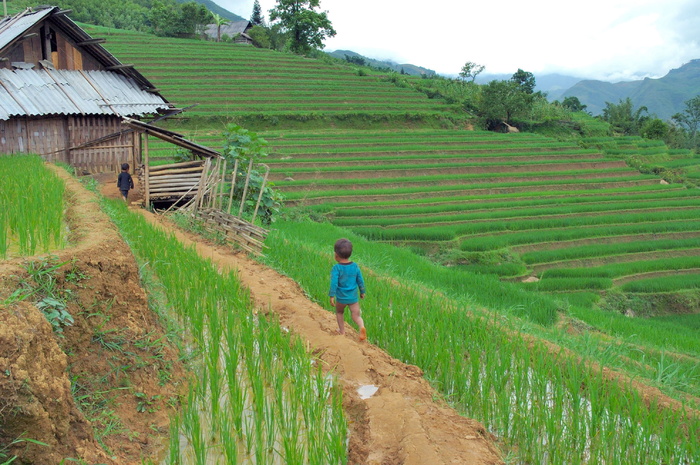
<point>404,422</point>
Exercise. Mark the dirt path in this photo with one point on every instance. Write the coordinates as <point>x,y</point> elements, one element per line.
<point>404,422</point>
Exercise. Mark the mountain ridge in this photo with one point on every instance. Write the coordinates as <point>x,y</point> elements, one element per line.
<point>663,97</point>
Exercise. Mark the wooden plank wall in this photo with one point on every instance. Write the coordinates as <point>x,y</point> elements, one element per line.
<point>41,136</point>
<point>52,137</point>
<point>107,155</point>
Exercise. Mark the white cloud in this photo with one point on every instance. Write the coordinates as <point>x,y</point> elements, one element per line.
<point>602,39</point>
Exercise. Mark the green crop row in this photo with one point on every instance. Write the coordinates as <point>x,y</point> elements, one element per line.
<point>487,214</point>
<point>430,191</point>
<point>31,206</point>
<point>568,284</point>
<point>616,270</point>
<point>663,283</point>
<point>600,250</point>
<point>516,203</point>
<point>544,195</point>
<point>482,243</point>
<point>502,167</point>
<point>465,181</point>
<point>445,232</point>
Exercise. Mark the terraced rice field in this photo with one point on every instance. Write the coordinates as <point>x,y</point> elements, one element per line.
<point>543,204</point>
<point>517,205</point>
<point>243,81</point>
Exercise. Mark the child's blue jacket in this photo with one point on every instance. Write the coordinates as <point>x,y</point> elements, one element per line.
<point>346,279</point>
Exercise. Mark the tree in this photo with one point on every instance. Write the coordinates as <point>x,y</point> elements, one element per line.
<point>194,18</point>
<point>502,101</point>
<point>172,19</point>
<point>525,79</point>
<point>247,147</point>
<point>256,18</point>
<point>219,21</point>
<point>573,104</point>
<point>654,129</point>
<point>307,27</point>
<point>471,70</point>
<point>260,36</point>
<point>689,119</point>
<point>624,118</point>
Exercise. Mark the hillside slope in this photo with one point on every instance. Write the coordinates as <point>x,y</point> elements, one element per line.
<point>263,88</point>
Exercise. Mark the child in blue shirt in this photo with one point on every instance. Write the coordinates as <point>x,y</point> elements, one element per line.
<point>346,280</point>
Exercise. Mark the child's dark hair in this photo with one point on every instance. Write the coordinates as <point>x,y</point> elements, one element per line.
<point>343,248</point>
<point>125,166</point>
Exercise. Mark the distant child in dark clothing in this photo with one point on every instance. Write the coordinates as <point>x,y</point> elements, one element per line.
<point>346,281</point>
<point>124,181</point>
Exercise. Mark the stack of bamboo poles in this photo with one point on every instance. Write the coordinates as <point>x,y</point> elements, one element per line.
<point>174,182</point>
<point>235,230</point>
<point>211,206</point>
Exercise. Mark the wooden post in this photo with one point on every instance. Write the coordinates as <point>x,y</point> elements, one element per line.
<point>147,191</point>
<point>221,186</point>
<point>212,183</point>
<point>245,188</point>
<point>233,185</point>
<point>262,188</point>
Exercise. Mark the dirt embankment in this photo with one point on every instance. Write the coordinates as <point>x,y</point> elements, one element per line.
<point>115,360</point>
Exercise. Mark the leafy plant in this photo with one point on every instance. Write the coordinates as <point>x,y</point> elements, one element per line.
<point>55,311</point>
<point>244,146</point>
<point>51,299</point>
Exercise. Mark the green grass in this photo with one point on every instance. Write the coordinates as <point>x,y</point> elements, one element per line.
<point>31,206</point>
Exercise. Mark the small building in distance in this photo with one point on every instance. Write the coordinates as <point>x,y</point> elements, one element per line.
<point>237,30</point>
<point>63,95</point>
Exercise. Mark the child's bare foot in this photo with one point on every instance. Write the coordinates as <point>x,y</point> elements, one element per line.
<point>363,334</point>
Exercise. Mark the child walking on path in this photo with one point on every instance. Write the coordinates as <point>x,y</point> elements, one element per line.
<point>124,181</point>
<point>346,281</point>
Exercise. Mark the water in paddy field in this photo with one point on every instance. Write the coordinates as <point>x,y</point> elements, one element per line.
<point>207,438</point>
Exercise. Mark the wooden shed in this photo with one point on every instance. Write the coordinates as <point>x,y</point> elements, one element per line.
<point>63,95</point>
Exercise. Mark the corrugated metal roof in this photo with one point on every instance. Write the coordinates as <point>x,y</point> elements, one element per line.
<point>66,92</point>
<point>13,27</point>
<point>230,29</point>
<point>11,30</point>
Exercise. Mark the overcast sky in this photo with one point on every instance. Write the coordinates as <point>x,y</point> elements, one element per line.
<point>599,39</point>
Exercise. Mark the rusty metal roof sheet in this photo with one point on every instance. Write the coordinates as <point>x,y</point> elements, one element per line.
<point>66,92</point>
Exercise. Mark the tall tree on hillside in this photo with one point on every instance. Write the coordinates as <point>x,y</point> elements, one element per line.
<point>471,70</point>
<point>624,118</point>
<point>307,28</point>
<point>573,104</point>
<point>503,101</point>
<point>219,21</point>
<point>689,119</point>
<point>525,79</point>
<point>195,18</point>
<point>256,18</point>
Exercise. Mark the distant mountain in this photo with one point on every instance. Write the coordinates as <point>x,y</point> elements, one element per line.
<point>664,97</point>
<point>413,70</point>
<point>214,8</point>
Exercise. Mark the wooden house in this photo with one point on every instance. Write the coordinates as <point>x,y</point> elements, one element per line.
<point>63,95</point>
<point>236,30</point>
